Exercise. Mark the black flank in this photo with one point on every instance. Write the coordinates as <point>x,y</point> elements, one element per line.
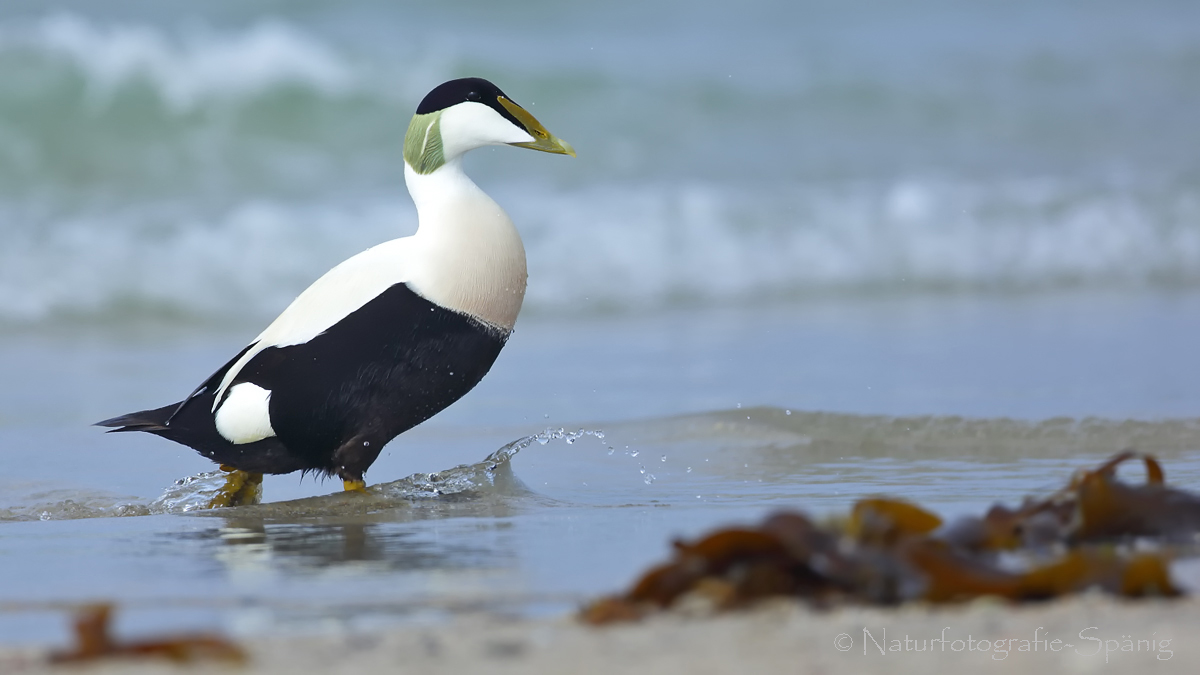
<point>337,399</point>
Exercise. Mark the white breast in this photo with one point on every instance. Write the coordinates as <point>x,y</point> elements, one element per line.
<point>466,256</point>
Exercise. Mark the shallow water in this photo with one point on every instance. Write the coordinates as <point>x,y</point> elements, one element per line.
<point>579,514</point>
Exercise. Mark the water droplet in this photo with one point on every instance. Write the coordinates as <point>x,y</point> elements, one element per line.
<point>787,412</point>
<point>611,449</point>
<point>642,469</point>
<point>747,417</point>
<point>546,416</point>
<point>598,434</point>
<point>689,469</point>
<point>650,479</point>
<point>739,406</point>
<point>664,458</point>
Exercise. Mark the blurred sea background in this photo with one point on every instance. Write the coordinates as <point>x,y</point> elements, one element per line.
<point>810,250</point>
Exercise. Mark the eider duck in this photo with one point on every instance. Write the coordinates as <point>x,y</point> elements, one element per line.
<point>388,338</point>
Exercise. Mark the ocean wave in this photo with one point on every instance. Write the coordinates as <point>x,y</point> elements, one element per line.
<point>631,247</point>
<point>184,69</point>
<point>138,109</point>
<point>148,170</point>
<point>651,247</point>
<point>797,436</point>
<point>115,111</point>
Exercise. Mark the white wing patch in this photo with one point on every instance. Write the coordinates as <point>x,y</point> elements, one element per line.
<point>245,416</point>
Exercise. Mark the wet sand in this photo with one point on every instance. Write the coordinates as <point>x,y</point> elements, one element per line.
<point>1081,635</point>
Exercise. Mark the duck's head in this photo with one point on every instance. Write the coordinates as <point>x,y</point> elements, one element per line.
<point>469,113</point>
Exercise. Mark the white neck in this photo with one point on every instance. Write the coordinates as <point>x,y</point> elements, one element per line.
<point>467,255</point>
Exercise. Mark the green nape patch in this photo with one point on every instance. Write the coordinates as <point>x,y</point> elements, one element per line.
<point>423,143</point>
<point>889,552</point>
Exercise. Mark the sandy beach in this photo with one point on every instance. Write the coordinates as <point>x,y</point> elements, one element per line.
<point>1086,634</point>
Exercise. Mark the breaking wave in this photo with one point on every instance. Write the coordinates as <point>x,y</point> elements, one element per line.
<point>622,247</point>
<point>702,243</point>
<point>183,70</point>
<point>209,173</point>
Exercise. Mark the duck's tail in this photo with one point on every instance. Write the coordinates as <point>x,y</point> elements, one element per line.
<point>146,420</point>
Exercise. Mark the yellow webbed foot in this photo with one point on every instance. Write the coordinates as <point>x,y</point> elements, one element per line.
<point>240,489</point>
<point>355,485</point>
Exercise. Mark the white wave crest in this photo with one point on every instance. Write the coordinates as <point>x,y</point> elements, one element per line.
<point>249,261</point>
<point>624,247</point>
<point>649,247</point>
<point>189,68</point>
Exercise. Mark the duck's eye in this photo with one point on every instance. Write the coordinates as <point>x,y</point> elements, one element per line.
<point>473,96</point>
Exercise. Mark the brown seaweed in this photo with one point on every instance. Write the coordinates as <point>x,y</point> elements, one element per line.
<point>890,551</point>
<point>93,641</point>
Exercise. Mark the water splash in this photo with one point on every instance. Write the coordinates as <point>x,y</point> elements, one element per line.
<point>494,473</point>
<point>193,493</point>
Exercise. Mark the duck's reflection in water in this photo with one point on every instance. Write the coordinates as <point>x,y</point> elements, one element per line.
<point>355,533</point>
<point>366,562</point>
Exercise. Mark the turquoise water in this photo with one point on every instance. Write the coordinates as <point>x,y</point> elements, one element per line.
<point>171,159</point>
<point>810,251</point>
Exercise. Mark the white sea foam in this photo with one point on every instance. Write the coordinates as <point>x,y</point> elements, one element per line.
<point>251,260</point>
<point>650,247</point>
<point>631,247</point>
<point>151,167</point>
<point>190,67</point>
